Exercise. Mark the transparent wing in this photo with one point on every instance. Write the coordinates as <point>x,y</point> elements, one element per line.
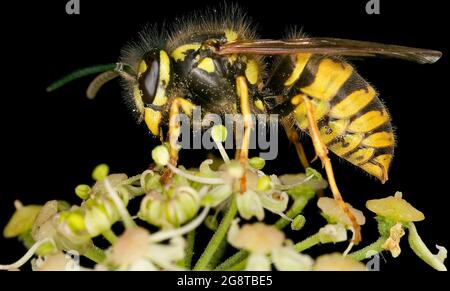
<point>329,46</point>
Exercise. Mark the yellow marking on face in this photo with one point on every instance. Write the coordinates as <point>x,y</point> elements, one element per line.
<point>349,143</point>
<point>252,71</point>
<point>330,77</point>
<point>379,140</point>
<point>180,52</point>
<point>259,105</point>
<point>361,156</point>
<point>207,65</point>
<point>138,99</point>
<point>353,103</point>
<point>153,119</point>
<point>300,63</point>
<point>231,35</point>
<point>321,108</point>
<point>164,79</point>
<point>369,121</point>
<point>142,67</point>
<point>335,128</point>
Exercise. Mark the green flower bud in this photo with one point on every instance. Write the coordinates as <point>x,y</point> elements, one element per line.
<point>257,163</point>
<point>100,172</point>
<point>160,155</point>
<point>263,183</point>
<point>298,222</point>
<point>217,195</point>
<point>219,133</point>
<point>83,191</point>
<point>151,181</point>
<point>96,218</point>
<point>172,208</point>
<point>249,205</point>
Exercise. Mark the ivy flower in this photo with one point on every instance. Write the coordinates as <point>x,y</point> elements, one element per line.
<point>395,208</point>
<point>337,262</point>
<point>134,250</point>
<point>263,241</point>
<point>334,213</point>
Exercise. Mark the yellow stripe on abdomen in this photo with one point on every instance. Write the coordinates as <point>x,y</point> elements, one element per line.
<point>353,103</point>
<point>328,80</point>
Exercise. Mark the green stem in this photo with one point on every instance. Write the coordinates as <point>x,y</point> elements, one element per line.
<point>307,243</point>
<point>296,208</point>
<point>218,255</point>
<point>189,249</point>
<point>421,250</point>
<point>218,236</point>
<point>232,261</point>
<point>110,236</point>
<point>95,254</point>
<point>368,251</point>
<point>80,74</point>
<point>238,267</point>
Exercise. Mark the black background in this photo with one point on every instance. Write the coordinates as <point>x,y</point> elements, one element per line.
<point>50,142</point>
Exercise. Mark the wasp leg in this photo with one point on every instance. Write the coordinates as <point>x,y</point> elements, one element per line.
<point>294,138</point>
<point>242,92</point>
<point>174,125</point>
<point>322,153</point>
<point>174,131</point>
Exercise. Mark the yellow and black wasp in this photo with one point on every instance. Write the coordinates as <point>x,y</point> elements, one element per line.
<point>219,64</point>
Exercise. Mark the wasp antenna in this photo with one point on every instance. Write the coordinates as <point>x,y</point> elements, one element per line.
<point>80,74</point>
<point>98,83</point>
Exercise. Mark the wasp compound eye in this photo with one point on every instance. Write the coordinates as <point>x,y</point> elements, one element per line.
<point>148,79</point>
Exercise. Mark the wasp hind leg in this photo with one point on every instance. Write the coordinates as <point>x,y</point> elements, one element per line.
<point>322,153</point>
<point>294,138</point>
<point>242,92</point>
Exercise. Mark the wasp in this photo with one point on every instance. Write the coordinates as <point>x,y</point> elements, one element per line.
<point>218,63</point>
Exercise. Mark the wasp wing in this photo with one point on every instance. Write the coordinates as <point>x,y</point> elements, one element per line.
<point>329,46</point>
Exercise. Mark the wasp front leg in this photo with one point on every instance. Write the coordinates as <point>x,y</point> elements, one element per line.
<point>322,153</point>
<point>174,125</point>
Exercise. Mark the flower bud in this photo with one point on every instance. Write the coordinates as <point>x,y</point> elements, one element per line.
<point>100,172</point>
<point>160,155</point>
<point>257,163</point>
<point>172,208</point>
<point>298,222</point>
<point>83,191</point>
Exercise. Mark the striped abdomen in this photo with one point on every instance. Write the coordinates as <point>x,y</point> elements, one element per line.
<point>353,122</point>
